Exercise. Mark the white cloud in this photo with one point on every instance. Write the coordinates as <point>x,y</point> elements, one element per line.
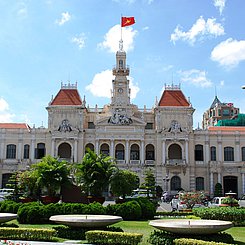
<point>220,4</point>
<point>229,53</point>
<point>196,77</point>
<point>65,16</point>
<point>200,30</point>
<point>112,37</point>
<point>5,115</point>
<point>222,83</point>
<point>101,85</point>
<point>145,28</point>
<point>79,40</point>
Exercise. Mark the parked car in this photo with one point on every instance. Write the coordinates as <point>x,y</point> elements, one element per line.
<point>241,201</point>
<point>5,192</point>
<point>178,205</point>
<point>215,202</point>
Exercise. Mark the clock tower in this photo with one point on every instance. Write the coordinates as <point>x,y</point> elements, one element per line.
<point>120,85</point>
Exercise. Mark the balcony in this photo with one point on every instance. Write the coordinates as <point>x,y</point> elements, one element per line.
<point>149,163</point>
<point>134,162</point>
<point>175,162</point>
<point>121,162</point>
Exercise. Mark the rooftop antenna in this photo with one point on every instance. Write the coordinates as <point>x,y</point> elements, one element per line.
<point>215,90</point>
<point>121,40</point>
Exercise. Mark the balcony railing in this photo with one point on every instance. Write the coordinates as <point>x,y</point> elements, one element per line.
<point>149,162</point>
<point>134,162</point>
<point>175,162</point>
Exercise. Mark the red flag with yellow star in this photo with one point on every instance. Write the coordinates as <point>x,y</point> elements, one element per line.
<point>127,21</point>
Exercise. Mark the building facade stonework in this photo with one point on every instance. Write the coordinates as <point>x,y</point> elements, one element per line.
<point>161,138</point>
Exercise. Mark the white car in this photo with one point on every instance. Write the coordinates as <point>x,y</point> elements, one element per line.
<point>241,201</point>
<point>215,202</point>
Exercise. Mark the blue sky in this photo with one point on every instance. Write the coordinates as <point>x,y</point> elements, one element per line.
<point>199,44</point>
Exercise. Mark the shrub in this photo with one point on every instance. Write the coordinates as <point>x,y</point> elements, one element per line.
<point>164,237</point>
<point>148,209</point>
<point>27,234</point>
<point>129,210</point>
<point>107,237</point>
<point>9,207</point>
<point>234,214</point>
<point>76,233</point>
<point>185,241</point>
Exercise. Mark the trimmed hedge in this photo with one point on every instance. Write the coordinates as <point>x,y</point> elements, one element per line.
<point>234,214</point>
<point>185,241</point>
<point>37,213</point>
<point>128,211</point>
<point>28,234</point>
<point>164,237</point>
<point>109,237</point>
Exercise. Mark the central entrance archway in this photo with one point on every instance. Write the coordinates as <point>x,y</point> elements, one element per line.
<point>64,151</point>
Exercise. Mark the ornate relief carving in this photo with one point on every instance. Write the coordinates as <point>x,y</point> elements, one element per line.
<point>119,117</point>
<point>65,126</point>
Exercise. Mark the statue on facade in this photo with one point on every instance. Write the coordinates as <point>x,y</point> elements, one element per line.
<point>65,126</point>
<point>120,119</point>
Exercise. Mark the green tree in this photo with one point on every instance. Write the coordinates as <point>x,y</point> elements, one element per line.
<point>218,192</point>
<point>51,174</point>
<point>95,172</point>
<point>149,183</point>
<point>124,182</point>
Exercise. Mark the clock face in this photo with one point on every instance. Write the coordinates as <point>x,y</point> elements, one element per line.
<point>120,90</point>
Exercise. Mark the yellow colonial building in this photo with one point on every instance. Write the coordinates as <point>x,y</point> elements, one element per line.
<point>161,138</point>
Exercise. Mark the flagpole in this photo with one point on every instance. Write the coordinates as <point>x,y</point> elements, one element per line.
<point>121,41</point>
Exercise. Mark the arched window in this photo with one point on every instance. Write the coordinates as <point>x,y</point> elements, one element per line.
<point>40,151</point>
<point>228,154</point>
<point>134,152</point>
<point>150,152</point>
<point>11,151</point>
<point>213,153</point>
<point>64,151</point>
<point>199,183</point>
<point>90,146</point>
<point>174,152</point>
<point>175,183</point>
<point>26,151</point>
<point>104,149</point>
<point>243,153</point>
<point>120,64</point>
<point>198,152</point>
<point>119,152</point>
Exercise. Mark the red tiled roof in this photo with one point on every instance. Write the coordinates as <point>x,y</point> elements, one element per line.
<point>14,126</point>
<point>173,98</point>
<point>67,97</point>
<point>226,128</point>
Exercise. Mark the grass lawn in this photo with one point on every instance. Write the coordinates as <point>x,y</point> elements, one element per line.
<point>142,227</point>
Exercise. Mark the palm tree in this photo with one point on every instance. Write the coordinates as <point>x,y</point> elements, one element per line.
<point>95,172</point>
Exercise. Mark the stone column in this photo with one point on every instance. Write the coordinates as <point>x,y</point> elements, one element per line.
<point>127,152</point>
<point>163,152</point>
<point>52,147</point>
<point>20,150</point>
<point>219,178</point>
<point>243,182</point>
<point>97,147</point>
<point>142,151</point>
<point>219,152</point>
<point>207,152</point>
<point>186,151</point>
<point>32,149</point>
<point>211,183</point>
<point>75,150</point>
<point>112,149</point>
<point>237,156</point>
